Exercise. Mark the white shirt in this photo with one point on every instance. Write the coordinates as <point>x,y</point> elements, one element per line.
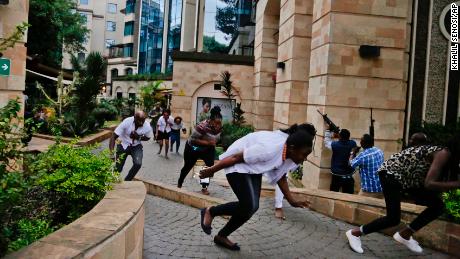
<point>163,126</point>
<point>126,127</point>
<point>176,126</point>
<point>262,154</point>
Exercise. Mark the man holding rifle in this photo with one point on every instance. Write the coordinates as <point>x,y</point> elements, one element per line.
<point>342,173</point>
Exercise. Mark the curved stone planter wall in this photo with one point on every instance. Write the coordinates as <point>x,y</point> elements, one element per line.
<point>114,228</point>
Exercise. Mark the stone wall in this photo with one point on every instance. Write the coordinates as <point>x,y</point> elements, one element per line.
<point>112,229</point>
<point>294,46</point>
<point>346,86</point>
<point>11,15</point>
<point>191,76</point>
<point>265,57</point>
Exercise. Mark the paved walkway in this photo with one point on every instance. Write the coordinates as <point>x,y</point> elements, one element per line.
<point>173,230</point>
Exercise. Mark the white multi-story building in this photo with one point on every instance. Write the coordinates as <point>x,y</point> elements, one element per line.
<point>105,23</point>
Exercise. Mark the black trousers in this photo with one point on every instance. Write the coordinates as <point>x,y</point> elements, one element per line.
<point>346,183</point>
<point>393,192</point>
<point>247,189</point>
<point>190,158</point>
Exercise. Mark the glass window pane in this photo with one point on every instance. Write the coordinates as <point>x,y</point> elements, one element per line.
<point>111,26</point>
<point>109,43</point>
<point>84,2</point>
<point>112,8</point>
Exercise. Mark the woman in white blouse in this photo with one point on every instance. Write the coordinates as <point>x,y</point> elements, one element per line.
<point>272,153</point>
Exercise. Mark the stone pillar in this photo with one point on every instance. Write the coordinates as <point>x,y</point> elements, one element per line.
<point>11,15</point>
<point>265,57</point>
<point>294,51</point>
<point>346,86</point>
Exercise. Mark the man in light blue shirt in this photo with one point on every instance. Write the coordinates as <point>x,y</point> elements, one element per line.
<point>369,161</point>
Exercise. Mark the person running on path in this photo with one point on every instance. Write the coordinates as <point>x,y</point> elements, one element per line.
<point>175,133</point>
<point>163,129</point>
<point>421,171</point>
<point>131,132</point>
<point>202,145</point>
<point>272,153</point>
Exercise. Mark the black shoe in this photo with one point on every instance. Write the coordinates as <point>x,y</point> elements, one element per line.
<point>234,247</point>
<point>206,229</point>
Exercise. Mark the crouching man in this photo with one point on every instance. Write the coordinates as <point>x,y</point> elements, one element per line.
<point>131,132</point>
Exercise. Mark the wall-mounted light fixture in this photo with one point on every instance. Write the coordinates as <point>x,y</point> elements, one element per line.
<point>368,51</point>
<point>281,65</point>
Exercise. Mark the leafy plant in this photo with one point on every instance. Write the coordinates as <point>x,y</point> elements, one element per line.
<point>298,173</point>
<point>452,202</point>
<point>55,27</point>
<point>77,174</point>
<point>16,36</point>
<point>105,111</point>
<point>150,95</point>
<point>232,132</point>
<point>145,77</point>
<point>29,231</point>
<point>238,117</point>
<point>12,181</point>
<point>227,88</point>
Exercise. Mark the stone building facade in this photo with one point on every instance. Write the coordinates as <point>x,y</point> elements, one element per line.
<point>310,55</point>
<point>11,15</point>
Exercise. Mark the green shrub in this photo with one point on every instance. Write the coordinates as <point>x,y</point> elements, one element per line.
<point>298,173</point>
<point>79,176</point>
<point>28,231</point>
<point>232,132</point>
<point>452,202</point>
<point>105,111</point>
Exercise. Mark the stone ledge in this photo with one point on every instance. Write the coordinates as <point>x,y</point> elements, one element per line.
<point>86,141</point>
<point>112,229</point>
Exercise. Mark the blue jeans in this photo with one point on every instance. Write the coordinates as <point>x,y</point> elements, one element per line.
<point>136,152</point>
<point>175,138</point>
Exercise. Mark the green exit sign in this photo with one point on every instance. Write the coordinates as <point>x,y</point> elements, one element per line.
<point>5,67</point>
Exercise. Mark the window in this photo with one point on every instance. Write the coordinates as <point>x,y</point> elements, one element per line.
<point>129,71</point>
<point>81,57</point>
<point>129,28</point>
<point>84,2</point>
<point>109,43</point>
<point>112,8</point>
<point>111,26</point>
<point>132,96</point>
<point>130,5</point>
<point>114,72</point>
<point>119,95</point>
<point>128,50</point>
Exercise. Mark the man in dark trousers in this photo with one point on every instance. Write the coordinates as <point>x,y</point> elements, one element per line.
<point>131,132</point>
<point>342,172</point>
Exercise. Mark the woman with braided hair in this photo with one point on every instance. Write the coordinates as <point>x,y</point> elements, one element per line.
<point>202,145</point>
<point>271,153</point>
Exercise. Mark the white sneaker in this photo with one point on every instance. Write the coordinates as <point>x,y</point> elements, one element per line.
<point>355,242</point>
<point>411,243</point>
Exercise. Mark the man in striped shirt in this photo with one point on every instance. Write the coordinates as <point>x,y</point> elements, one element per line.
<point>369,161</point>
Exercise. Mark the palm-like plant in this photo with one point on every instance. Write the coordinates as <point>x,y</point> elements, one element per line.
<point>149,95</point>
<point>227,88</point>
<point>87,86</point>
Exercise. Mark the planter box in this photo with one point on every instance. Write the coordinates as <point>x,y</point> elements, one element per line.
<point>114,228</point>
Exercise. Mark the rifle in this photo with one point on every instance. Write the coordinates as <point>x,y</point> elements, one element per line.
<point>371,128</point>
<point>331,124</point>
